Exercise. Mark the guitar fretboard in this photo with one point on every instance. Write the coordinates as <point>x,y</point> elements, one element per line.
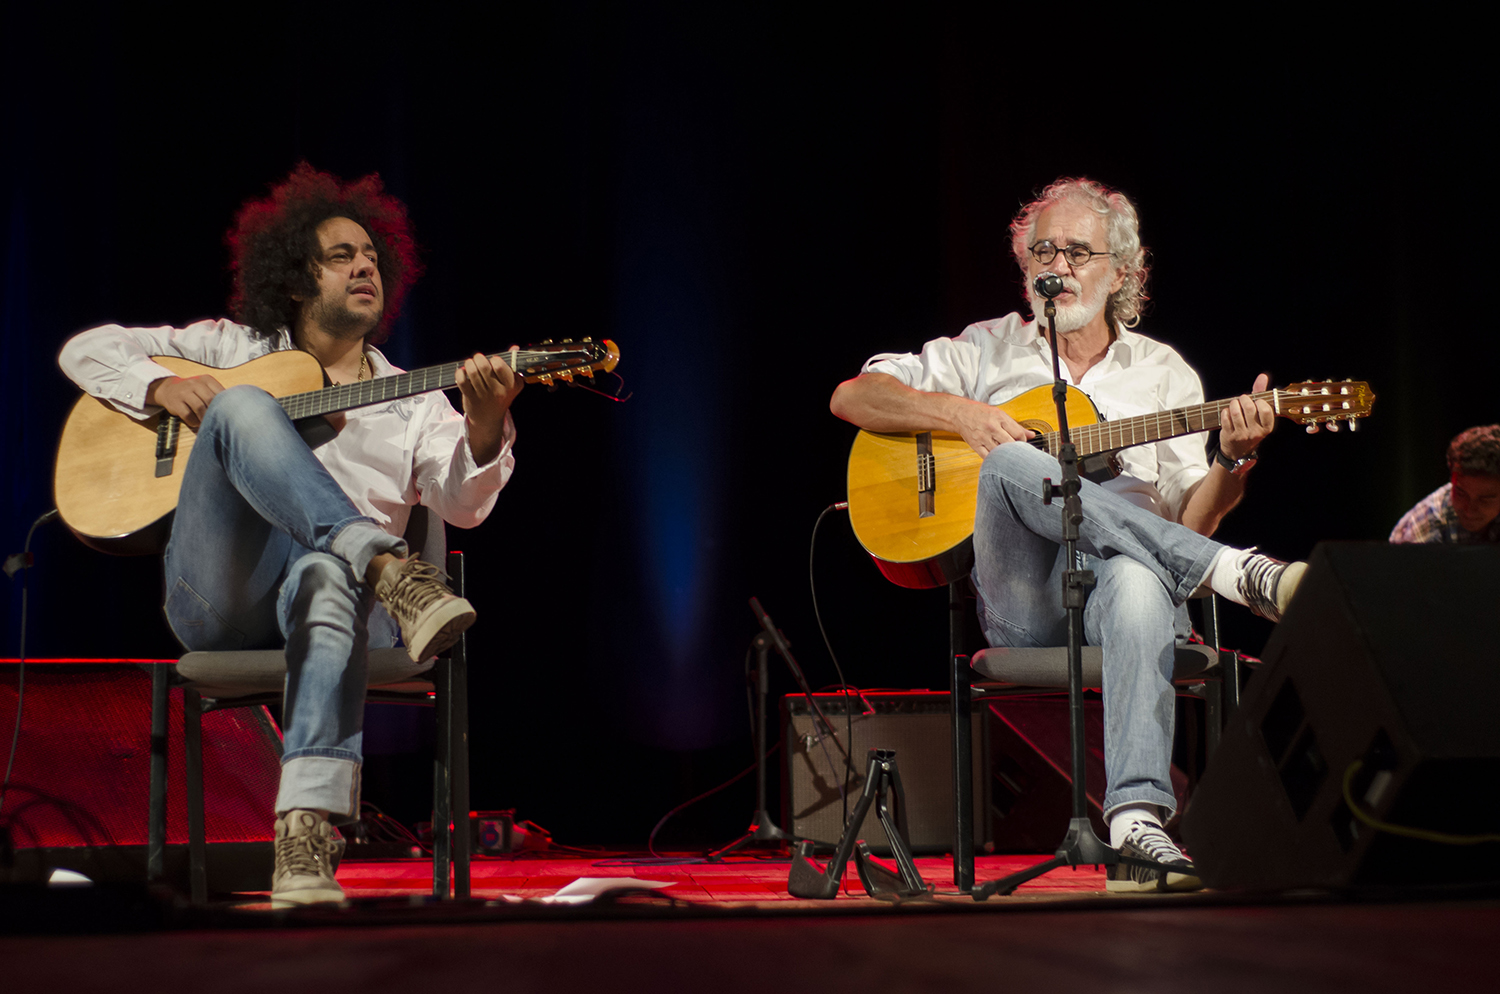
<point>363,393</point>
<point>1106,436</point>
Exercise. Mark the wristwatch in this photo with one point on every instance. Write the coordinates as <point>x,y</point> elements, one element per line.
<point>1240,466</point>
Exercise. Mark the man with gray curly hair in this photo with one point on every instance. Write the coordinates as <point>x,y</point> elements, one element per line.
<point>1122,242</point>
<point>1466,509</point>
<point>1145,530</point>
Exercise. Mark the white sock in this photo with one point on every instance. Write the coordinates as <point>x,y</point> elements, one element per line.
<point>1223,576</point>
<point>1126,818</point>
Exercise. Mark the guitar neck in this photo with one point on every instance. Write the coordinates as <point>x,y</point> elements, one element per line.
<point>1106,436</point>
<point>362,393</point>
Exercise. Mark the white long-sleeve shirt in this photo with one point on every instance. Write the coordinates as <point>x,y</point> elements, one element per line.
<point>995,361</point>
<point>388,457</point>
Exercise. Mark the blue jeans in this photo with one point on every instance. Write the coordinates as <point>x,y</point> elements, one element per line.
<point>1146,568</point>
<point>266,550</point>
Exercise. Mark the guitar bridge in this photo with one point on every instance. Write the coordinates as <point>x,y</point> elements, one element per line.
<point>166,443</point>
<point>926,475</point>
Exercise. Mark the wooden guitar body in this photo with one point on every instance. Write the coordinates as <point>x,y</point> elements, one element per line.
<point>105,480</point>
<point>918,543</point>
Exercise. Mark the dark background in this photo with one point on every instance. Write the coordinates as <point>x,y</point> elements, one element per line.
<point>750,202</point>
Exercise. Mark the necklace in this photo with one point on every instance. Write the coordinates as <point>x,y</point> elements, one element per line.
<point>364,361</point>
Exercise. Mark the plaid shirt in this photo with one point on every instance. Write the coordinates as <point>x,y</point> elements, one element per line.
<point>1433,521</point>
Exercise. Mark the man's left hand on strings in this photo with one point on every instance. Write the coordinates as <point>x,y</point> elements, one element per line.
<point>488,389</point>
<point>1244,422</point>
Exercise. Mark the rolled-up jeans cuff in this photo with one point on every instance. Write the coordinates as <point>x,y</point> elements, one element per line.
<point>321,783</point>
<point>1141,795</point>
<point>361,540</point>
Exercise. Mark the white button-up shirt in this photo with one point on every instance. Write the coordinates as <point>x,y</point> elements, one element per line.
<point>995,361</point>
<point>389,456</point>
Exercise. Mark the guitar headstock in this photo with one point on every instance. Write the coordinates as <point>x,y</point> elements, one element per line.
<point>1324,403</point>
<point>549,361</point>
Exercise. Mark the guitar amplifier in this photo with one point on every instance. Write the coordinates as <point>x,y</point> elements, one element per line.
<point>1021,781</point>
<point>916,724</point>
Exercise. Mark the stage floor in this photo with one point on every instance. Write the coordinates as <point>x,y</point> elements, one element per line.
<point>737,881</point>
<point>732,927</point>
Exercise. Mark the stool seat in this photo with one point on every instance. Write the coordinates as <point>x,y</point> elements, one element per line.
<point>229,675</point>
<point>1048,667</point>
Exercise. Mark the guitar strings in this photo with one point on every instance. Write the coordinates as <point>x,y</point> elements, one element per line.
<point>1118,430</point>
<point>1100,433</point>
<point>365,392</point>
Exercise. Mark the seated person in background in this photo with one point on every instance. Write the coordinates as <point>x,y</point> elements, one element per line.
<point>1467,507</point>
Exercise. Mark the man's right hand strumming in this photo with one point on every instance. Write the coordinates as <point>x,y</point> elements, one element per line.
<point>186,397</point>
<point>986,428</point>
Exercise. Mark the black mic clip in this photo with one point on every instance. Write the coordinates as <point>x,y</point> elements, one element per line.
<point>1048,285</point>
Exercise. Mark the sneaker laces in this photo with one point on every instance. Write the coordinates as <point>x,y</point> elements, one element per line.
<point>1155,843</point>
<point>306,854</point>
<point>417,586</point>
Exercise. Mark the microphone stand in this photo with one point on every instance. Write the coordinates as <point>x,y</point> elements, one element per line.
<point>762,827</point>
<point>1080,846</point>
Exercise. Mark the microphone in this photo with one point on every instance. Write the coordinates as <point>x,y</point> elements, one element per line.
<point>1048,285</point>
<point>785,649</point>
<point>777,639</point>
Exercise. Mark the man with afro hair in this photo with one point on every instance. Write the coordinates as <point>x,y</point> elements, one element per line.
<point>275,543</point>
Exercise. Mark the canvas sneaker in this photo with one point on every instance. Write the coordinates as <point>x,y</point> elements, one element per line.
<point>431,616</point>
<point>1266,585</point>
<point>306,852</point>
<point>1148,841</point>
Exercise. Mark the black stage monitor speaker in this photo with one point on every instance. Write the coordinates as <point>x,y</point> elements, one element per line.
<point>914,723</point>
<point>1387,659</point>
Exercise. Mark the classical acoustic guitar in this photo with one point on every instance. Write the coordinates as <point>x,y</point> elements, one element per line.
<point>117,478</point>
<point>912,496</point>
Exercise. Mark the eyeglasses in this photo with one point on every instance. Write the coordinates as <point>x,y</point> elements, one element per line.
<point>1077,255</point>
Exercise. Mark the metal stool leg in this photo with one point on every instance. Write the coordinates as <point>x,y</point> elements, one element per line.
<point>459,751</point>
<point>963,774</point>
<point>156,818</point>
<point>192,747</point>
<point>963,742</point>
<point>458,748</point>
<point>442,782</point>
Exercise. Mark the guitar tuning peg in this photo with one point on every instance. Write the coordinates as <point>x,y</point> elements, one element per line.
<point>1354,424</point>
<point>567,341</point>
<point>1333,426</point>
<point>546,341</point>
<point>588,339</point>
<point>1312,427</point>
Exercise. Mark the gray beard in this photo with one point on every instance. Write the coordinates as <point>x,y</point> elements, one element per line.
<point>1070,317</point>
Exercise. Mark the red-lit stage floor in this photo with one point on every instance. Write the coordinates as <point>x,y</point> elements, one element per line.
<point>737,881</point>
<point>732,927</point>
